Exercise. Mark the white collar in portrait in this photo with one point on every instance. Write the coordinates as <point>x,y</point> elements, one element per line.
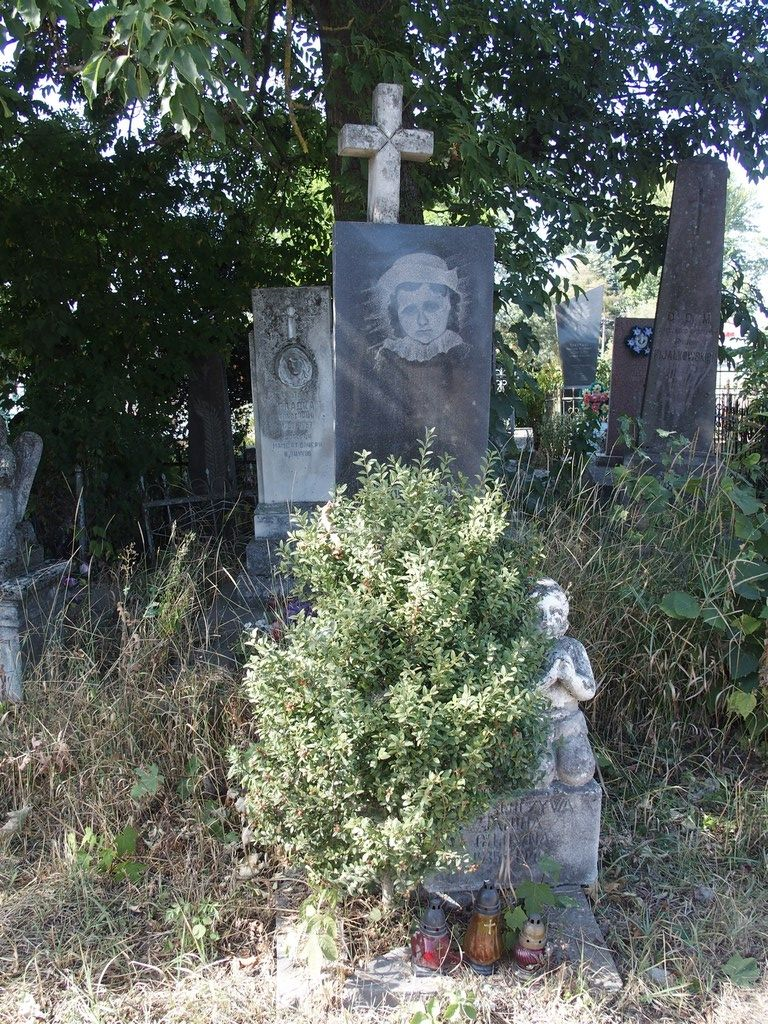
<point>417,352</point>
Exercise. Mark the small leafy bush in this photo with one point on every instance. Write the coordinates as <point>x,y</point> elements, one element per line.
<point>406,702</point>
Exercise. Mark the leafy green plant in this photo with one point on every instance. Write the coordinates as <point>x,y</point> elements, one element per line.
<point>93,852</point>
<point>194,925</point>
<point>534,898</point>
<point>319,928</point>
<point>148,782</point>
<point>743,971</point>
<point>459,1006</point>
<point>396,711</point>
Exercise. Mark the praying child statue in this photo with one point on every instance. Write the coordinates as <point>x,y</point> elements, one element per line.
<point>567,680</point>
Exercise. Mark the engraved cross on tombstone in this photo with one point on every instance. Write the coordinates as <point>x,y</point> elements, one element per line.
<point>385,143</point>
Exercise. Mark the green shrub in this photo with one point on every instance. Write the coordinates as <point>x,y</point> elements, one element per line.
<point>395,712</point>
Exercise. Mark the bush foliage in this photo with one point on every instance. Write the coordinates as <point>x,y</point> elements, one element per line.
<point>406,701</point>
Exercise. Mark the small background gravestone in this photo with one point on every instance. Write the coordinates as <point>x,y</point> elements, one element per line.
<point>578,337</point>
<point>629,370</point>
<point>211,449</point>
<point>292,378</point>
<point>682,374</point>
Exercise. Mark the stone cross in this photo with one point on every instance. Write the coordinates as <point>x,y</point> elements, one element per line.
<point>385,143</point>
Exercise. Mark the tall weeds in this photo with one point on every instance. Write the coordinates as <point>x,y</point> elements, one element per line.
<point>618,558</point>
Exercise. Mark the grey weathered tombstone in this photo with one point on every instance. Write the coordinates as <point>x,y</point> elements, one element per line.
<point>578,336</point>
<point>682,374</point>
<point>18,465</point>
<point>413,311</point>
<point>559,819</point>
<point>292,379</point>
<point>211,449</point>
<point>629,370</point>
<point>413,315</point>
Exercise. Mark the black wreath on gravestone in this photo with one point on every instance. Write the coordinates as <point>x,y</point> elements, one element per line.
<point>640,341</point>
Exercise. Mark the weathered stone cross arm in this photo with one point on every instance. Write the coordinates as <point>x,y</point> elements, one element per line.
<point>385,143</point>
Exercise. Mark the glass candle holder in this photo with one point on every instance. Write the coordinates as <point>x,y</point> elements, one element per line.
<point>482,942</point>
<point>431,951</point>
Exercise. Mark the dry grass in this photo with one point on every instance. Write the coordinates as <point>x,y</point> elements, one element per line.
<point>139,679</point>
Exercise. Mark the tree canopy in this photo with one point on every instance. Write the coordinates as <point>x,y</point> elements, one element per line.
<point>555,123</point>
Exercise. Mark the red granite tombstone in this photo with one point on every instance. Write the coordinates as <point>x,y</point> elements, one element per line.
<point>629,370</point>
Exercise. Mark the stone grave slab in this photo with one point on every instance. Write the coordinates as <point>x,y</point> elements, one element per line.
<point>413,313</point>
<point>578,337</point>
<point>211,448</point>
<point>508,841</point>
<point>292,378</point>
<point>680,391</point>
<point>629,371</point>
<point>574,939</point>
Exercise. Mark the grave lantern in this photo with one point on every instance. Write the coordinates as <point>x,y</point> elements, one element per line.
<point>482,943</point>
<point>431,943</point>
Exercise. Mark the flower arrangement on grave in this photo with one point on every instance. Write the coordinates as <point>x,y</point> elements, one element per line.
<point>596,402</point>
<point>390,717</point>
<point>640,340</point>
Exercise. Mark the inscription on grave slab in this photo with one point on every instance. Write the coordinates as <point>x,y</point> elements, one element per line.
<point>507,843</point>
<point>680,392</point>
<point>292,374</point>
<point>413,309</point>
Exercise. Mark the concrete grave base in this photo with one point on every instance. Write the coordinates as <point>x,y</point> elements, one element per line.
<point>507,843</point>
<point>271,526</point>
<point>574,939</point>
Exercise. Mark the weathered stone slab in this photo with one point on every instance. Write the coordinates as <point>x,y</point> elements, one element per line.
<point>507,843</point>
<point>680,391</point>
<point>574,938</point>
<point>629,372</point>
<point>578,336</point>
<point>292,376</point>
<point>413,312</point>
<point>389,981</point>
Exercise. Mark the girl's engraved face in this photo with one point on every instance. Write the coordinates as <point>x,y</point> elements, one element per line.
<point>423,311</point>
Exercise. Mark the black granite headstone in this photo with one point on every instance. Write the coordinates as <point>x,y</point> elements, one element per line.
<point>413,313</point>
<point>682,374</point>
<point>578,335</point>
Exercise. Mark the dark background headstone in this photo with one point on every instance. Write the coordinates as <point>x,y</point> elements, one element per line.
<point>385,403</point>
<point>628,375</point>
<point>211,449</point>
<point>682,375</point>
<point>578,336</point>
